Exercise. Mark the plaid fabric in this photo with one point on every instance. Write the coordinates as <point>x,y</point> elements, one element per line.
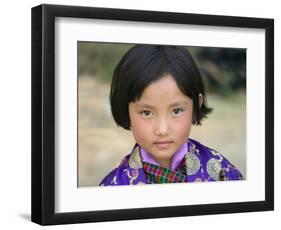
<point>156,174</point>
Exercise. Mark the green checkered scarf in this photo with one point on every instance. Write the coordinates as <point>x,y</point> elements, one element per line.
<point>158,175</point>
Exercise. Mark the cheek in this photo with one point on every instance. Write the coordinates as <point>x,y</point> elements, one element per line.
<point>140,128</point>
<point>183,127</point>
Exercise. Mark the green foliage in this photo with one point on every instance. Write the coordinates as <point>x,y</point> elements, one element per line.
<point>223,69</point>
<point>99,59</point>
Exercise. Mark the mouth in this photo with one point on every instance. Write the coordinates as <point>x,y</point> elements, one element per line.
<point>162,145</point>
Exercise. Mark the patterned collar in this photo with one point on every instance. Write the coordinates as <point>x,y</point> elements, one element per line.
<point>177,157</point>
<point>152,173</point>
<point>156,174</point>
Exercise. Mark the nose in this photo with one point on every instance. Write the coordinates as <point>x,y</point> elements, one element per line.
<point>162,127</point>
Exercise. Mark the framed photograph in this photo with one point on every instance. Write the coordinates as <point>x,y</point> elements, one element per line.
<point>147,114</point>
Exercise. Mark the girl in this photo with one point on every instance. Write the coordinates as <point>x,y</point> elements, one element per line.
<point>157,93</point>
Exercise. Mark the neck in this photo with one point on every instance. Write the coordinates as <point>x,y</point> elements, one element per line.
<point>165,163</point>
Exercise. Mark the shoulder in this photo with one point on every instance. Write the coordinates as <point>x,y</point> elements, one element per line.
<point>114,177</point>
<point>214,163</point>
<point>128,172</point>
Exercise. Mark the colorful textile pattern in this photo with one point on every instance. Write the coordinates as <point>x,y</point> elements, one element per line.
<point>158,175</point>
<point>200,164</point>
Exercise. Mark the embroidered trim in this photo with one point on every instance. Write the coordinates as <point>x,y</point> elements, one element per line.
<point>135,161</point>
<point>132,177</point>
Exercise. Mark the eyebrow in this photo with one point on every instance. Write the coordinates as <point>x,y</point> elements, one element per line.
<point>145,105</point>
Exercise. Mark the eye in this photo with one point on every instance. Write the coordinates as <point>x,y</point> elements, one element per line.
<point>146,113</point>
<point>177,111</point>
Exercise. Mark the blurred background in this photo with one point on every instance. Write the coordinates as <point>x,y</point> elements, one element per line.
<point>101,144</point>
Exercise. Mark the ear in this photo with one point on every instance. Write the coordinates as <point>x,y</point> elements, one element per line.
<point>201,99</point>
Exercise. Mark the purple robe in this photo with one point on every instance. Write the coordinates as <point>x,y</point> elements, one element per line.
<point>202,164</point>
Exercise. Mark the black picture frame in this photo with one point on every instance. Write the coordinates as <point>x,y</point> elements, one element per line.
<point>43,114</point>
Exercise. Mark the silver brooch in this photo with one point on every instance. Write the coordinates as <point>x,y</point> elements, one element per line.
<point>214,168</point>
<point>192,164</point>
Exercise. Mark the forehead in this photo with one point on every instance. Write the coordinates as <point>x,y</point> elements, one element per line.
<point>163,91</point>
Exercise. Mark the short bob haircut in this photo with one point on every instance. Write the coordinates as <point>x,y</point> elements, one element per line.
<point>144,64</point>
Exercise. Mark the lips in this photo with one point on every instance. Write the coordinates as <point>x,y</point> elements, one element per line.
<point>163,144</point>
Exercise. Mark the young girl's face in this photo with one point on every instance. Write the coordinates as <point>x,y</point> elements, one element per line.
<point>161,119</point>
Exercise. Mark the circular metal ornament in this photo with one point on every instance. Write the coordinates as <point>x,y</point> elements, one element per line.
<point>192,164</point>
<point>214,168</point>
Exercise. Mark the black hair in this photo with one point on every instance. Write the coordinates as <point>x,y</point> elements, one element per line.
<point>144,64</point>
